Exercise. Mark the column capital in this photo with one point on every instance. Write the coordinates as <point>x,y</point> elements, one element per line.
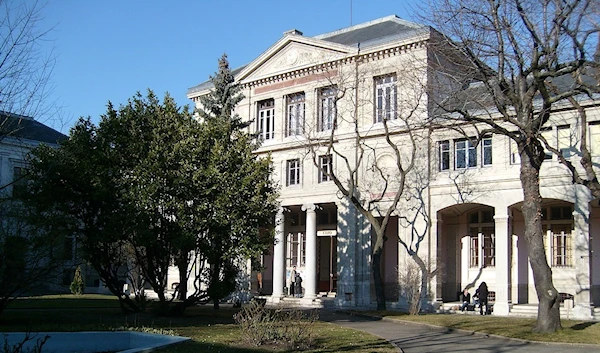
<point>310,207</point>
<point>580,213</point>
<point>502,217</point>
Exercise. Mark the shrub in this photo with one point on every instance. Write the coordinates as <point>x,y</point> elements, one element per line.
<point>290,328</point>
<point>20,347</point>
<point>77,285</point>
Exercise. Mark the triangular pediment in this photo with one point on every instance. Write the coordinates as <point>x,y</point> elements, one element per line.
<point>292,52</point>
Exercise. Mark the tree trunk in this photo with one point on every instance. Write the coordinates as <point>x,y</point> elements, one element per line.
<point>377,279</point>
<point>215,270</point>
<point>548,319</point>
<point>182,265</point>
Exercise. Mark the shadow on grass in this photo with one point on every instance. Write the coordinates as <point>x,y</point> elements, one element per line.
<point>583,325</point>
<point>194,346</point>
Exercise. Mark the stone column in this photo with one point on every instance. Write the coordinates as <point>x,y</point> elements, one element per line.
<point>581,261</point>
<point>435,259</point>
<point>310,275</point>
<point>279,255</point>
<point>465,261</point>
<point>503,257</point>
<point>516,287</point>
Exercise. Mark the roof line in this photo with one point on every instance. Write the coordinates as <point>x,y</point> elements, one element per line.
<point>367,24</point>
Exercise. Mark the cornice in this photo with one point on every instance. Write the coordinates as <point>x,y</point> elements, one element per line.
<point>368,56</point>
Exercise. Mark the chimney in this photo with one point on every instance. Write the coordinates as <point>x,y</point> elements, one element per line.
<point>293,32</point>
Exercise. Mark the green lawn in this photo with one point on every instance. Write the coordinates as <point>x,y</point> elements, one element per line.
<point>210,330</point>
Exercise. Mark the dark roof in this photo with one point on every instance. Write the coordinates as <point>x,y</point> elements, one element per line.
<point>383,30</point>
<point>23,127</point>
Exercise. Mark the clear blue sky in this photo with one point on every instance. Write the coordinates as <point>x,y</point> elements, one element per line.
<point>110,49</point>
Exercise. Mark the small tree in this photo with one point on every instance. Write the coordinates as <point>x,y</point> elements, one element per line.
<point>77,286</point>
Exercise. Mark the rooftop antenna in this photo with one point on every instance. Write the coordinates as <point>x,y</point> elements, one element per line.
<point>350,12</point>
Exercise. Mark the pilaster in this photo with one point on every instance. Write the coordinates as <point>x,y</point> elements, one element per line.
<point>581,260</point>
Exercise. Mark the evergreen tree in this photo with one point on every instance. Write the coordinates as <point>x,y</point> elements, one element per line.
<point>244,208</point>
<point>77,285</point>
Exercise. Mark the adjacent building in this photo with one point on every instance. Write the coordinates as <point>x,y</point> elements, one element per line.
<point>347,102</point>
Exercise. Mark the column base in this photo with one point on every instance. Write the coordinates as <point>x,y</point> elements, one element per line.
<point>275,299</point>
<point>583,311</point>
<point>502,309</point>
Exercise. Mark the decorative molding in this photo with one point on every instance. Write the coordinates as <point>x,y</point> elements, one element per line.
<point>304,58</point>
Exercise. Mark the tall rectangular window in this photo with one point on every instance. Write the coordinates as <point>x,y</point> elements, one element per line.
<point>266,119</point>
<point>295,114</point>
<point>465,154</point>
<point>327,108</point>
<point>296,249</point>
<point>561,245</point>
<point>489,246</point>
<point>325,168</point>
<point>564,140</point>
<point>385,98</point>
<point>486,151</point>
<point>547,135</point>
<point>19,186</point>
<point>444,155</point>
<point>69,248</point>
<point>515,157</point>
<point>474,249</point>
<point>293,172</point>
<point>594,132</point>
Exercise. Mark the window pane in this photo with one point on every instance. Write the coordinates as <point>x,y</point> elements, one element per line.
<point>266,119</point>
<point>487,151</point>
<point>472,155</point>
<point>564,141</point>
<point>385,92</point>
<point>444,155</point>
<point>461,154</point>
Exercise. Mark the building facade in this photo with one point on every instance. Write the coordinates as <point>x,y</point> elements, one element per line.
<point>355,103</point>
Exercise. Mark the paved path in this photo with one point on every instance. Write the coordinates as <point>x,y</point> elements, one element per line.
<point>419,338</point>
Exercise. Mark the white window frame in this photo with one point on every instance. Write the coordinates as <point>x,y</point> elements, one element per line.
<point>327,108</point>
<point>293,169</point>
<point>557,223</point>
<point>296,249</point>
<point>515,157</point>
<point>470,154</point>
<point>486,151</point>
<point>295,106</point>
<point>444,155</point>
<point>325,168</point>
<point>386,98</point>
<point>594,133</point>
<point>548,135</point>
<point>18,179</point>
<point>266,119</point>
<point>564,138</point>
<point>561,246</point>
<point>483,239</point>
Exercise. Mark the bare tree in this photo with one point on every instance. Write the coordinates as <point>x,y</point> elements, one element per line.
<point>26,63</point>
<point>379,168</point>
<point>529,57</point>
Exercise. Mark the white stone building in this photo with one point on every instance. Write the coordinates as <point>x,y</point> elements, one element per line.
<point>461,209</point>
